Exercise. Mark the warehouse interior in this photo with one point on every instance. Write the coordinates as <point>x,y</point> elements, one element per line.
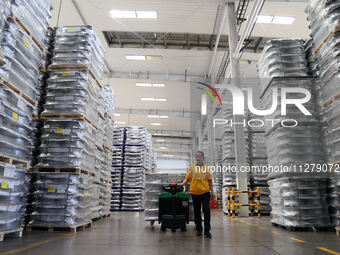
<point>105,105</point>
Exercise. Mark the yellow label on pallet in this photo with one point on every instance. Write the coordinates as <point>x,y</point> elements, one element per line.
<point>27,44</point>
<point>51,189</point>
<point>65,73</point>
<point>58,131</point>
<point>71,29</point>
<point>89,142</point>
<point>93,87</point>
<point>4,185</point>
<point>15,115</point>
<point>85,194</point>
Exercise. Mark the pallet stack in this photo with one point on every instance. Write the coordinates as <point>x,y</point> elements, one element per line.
<point>295,202</point>
<point>72,176</point>
<point>117,167</point>
<point>132,159</point>
<point>21,57</point>
<point>324,55</point>
<point>136,154</point>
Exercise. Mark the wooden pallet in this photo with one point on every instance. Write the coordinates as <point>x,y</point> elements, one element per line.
<point>14,161</point>
<point>107,148</point>
<point>330,101</point>
<point>16,232</point>
<point>109,117</point>
<point>67,115</point>
<point>105,181</point>
<point>102,217</point>
<point>72,68</point>
<point>2,56</point>
<point>337,230</point>
<point>20,24</point>
<point>336,29</point>
<point>18,91</point>
<point>73,229</point>
<point>297,229</point>
<point>71,170</point>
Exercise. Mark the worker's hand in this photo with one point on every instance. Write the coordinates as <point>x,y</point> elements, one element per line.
<point>212,196</point>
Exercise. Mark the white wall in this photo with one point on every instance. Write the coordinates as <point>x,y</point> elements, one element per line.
<point>172,165</point>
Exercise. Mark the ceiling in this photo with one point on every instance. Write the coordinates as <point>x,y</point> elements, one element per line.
<point>174,16</point>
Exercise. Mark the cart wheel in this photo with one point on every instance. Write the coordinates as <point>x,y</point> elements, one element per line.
<point>163,229</point>
<point>173,230</point>
<point>152,222</point>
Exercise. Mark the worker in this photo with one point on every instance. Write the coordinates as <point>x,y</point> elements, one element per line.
<point>201,187</point>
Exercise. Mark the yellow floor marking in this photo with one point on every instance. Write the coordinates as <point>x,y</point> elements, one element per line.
<point>251,224</point>
<point>241,221</point>
<point>261,227</point>
<point>276,233</point>
<point>329,251</point>
<point>33,245</point>
<point>292,238</point>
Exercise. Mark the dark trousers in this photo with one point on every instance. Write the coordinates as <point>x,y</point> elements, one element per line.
<point>200,201</point>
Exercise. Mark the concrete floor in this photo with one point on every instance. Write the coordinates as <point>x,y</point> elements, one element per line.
<point>127,233</point>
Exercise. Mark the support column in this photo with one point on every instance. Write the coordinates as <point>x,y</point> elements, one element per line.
<point>240,149</point>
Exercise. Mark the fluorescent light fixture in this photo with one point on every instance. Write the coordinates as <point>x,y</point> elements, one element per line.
<point>264,19</point>
<point>154,58</point>
<point>160,140</point>
<point>142,84</point>
<point>279,20</point>
<point>123,14</point>
<point>147,99</point>
<point>146,14</point>
<point>160,99</point>
<point>135,57</point>
<point>120,122</point>
<point>162,148</point>
<point>204,104</point>
<point>117,114</point>
<point>158,85</point>
<point>158,116</point>
<point>156,124</point>
<point>283,20</point>
<point>167,155</point>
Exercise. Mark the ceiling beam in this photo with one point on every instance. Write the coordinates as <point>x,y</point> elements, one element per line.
<point>170,113</point>
<point>171,133</point>
<point>155,76</point>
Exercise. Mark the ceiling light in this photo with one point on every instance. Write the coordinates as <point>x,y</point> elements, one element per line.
<point>141,84</point>
<point>164,117</point>
<point>154,58</point>
<point>160,140</point>
<point>264,19</point>
<point>156,124</point>
<point>270,19</point>
<point>162,148</point>
<point>147,99</point>
<point>123,14</point>
<point>135,57</point>
<point>158,85</point>
<point>161,99</point>
<point>117,114</point>
<point>153,116</point>
<point>283,20</point>
<point>146,14</point>
<point>167,155</point>
<point>120,122</point>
